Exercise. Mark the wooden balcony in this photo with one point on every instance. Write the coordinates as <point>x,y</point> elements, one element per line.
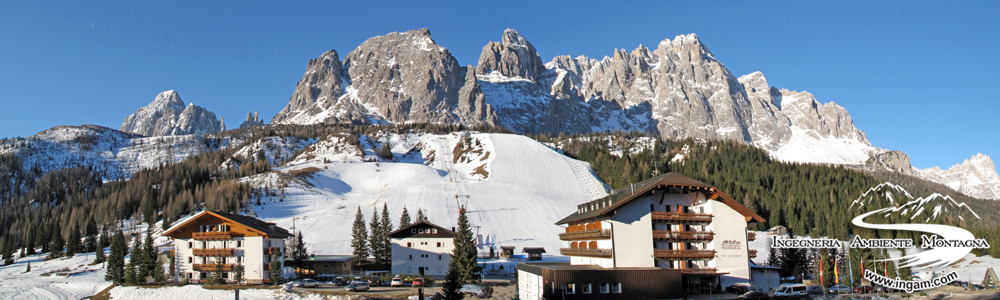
<point>599,234</point>
<point>753,253</point>
<point>586,252</point>
<point>681,217</point>
<point>272,250</point>
<point>751,236</point>
<point>699,271</point>
<point>213,252</point>
<point>215,235</point>
<point>211,267</point>
<point>684,254</point>
<point>684,235</point>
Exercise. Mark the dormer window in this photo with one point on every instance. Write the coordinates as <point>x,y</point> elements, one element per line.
<point>412,230</point>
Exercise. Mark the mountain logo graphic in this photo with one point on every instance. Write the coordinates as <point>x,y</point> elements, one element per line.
<point>942,244</point>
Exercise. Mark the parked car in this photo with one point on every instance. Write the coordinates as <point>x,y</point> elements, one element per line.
<point>738,289</point>
<point>863,289</point>
<point>338,281</point>
<point>310,283</point>
<point>815,289</point>
<point>418,282</point>
<point>374,281</point>
<point>752,295</point>
<point>791,289</point>
<point>839,289</point>
<point>358,286</point>
<point>396,282</point>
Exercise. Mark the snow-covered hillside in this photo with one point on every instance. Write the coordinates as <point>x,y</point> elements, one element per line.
<point>108,151</point>
<point>528,188</point>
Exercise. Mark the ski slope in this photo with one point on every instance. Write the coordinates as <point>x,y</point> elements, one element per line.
<point>528,188</point>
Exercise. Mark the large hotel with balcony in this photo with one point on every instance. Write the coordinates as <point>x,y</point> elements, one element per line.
<point>678,231</point>
<point>211,237</point>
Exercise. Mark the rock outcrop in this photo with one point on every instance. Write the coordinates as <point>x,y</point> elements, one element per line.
<point>395,78</point>
<point>513,56</point>
<point>894,160</point>
<point>251,121</point>
<point>167,115</point>
<point>976,177</point>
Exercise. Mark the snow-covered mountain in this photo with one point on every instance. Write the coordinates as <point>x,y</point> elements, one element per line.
<point>108,151</point>
<point>167,115</point>
<point>976,177</point>
<point>514,187</point>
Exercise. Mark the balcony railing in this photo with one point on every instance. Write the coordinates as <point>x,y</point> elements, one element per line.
<point>699,271</point>
<point>684,254</point>
<point>753,253</point>
<point>272,250</point>
<point>586,235</point>
<point>681,217</point>
<point>751,236</point>
<point>586,252</point>
<point>213,252</point>
<point>212,267</point>
<point>683,235</point>
<point>215,235</point>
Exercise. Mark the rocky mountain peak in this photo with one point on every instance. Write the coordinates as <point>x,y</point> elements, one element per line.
<point>251,121</point>
<point>322,82</point>
<point>167,115</point>
<point>976,177</point>
<point>514,56</point>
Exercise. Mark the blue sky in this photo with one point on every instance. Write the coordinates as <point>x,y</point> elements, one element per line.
<point>915,76</point>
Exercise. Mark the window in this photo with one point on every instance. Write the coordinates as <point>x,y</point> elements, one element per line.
<point>408,244</point>
<point>190,259</point>
<point>190,245</point>
<point>411,258</point>
<point>434,230</point>
<point>571,288</point>
<point>616,288</point>
<point>586,288</point>
<point>204,245</point>
<point>605,287</point>
<point>239,244</point>
<point>239,259</point>
<point>412,230</point>
<point>439,257</point>
<point>421,230</point>
<point>439,244</point>
<point>190,275</point>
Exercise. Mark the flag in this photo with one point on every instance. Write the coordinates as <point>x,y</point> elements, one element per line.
<point>821,272</point>
<point>836,276</point>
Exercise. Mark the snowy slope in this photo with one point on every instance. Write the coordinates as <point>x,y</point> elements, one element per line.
<point>806,148</point>
<point>976,177</point>
<point>110,151</point>
<point>528,189</point>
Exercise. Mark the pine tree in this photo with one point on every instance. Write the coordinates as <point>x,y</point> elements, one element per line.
<point>404,219</point>
<point>149,250</point>
<point>6,248</point>
<point>105,239</point>
<point>99,256</point>
<point>773,260</point>
<point>359,236</point>
<point>90,240</point>
<point>238,274</point>
<point>386,246</point>
<point>375,237</point>
<point>29,268</point>
<point>158,273</point>
<point>420,216</point>
<point>166,223</point>
<point>30,247</point>
<point>136,262</point>
<point>453,282</point>
<point>57,244</point>
<point>45,239</point>
<point>149,207</point>
<point>299,251</point>
<point>116,260</point>
<point>217,273</point>
<point>465,253</point>
<point>73,243</point>
<point>274,274</point>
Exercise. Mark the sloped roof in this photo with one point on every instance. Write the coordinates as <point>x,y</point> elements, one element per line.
<point>265,228</point>
<point>442,231</point>
<point>620,197</point>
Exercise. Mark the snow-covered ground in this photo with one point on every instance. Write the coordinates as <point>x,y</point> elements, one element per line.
<point>806,148</point>
<point>18,284</point>
<point>528,188</point>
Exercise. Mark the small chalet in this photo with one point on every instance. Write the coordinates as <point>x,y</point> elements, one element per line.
<point>777,230</point>
<point>213,237</point>
<point>534,253</point>
<point>421,248</point>
<point>506,251</point>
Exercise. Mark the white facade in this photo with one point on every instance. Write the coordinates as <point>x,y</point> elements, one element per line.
<point>422,253</point>
<point>212,237</point>
<point>529,286</point>
<point>247,251</point>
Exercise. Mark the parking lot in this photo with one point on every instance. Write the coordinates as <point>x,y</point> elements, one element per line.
<point>502,289</point>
